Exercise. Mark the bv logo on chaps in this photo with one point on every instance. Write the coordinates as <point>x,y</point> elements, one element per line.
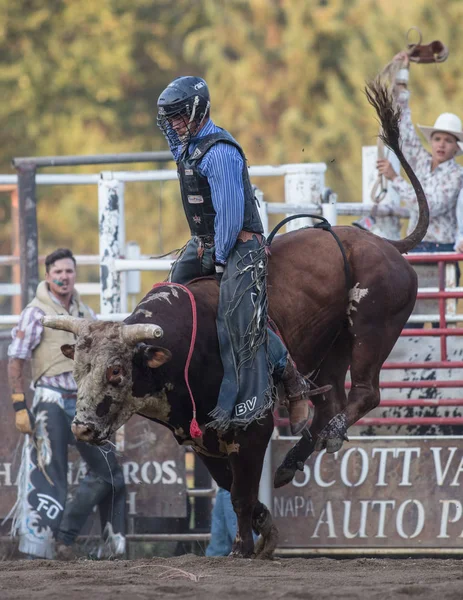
<point>195,200</point>
<point>244,407</point>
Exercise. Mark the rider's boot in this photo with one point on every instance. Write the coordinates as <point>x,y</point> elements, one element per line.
<point>296,392</point>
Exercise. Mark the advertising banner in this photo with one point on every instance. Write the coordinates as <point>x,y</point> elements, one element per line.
<point>374,493</point>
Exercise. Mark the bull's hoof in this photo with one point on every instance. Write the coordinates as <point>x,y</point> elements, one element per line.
<point>283,476</point>
<point>239,554</point>
<point>266,544</point>
<point>259,545</point>
<point>294,460</point>
<point>333,445</point>
<point>333,435</point>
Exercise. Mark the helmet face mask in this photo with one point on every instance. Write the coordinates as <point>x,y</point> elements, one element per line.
<point>182,109</point>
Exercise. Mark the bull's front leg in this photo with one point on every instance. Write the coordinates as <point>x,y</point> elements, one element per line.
<point>246,457</point>
<point>243,502</point>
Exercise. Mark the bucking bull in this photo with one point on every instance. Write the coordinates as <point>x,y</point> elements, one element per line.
<point>138,366</point>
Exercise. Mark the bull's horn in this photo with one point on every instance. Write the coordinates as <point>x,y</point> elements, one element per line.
<point>66,323</point>
<point>132,334</point>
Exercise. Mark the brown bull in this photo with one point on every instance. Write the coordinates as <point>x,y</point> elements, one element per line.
<point>138,366</point>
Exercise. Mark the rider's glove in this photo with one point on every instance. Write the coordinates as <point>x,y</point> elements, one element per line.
<point>23,420</point>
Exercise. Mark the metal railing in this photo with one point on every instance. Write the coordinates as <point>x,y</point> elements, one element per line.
<point>112,183</point>
<point>443,294</point>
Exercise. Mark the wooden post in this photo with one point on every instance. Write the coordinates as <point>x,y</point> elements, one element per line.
<point>28,238</point>
<point>15,272</point>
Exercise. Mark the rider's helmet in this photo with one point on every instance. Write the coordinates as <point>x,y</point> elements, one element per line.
<point>182,108</point>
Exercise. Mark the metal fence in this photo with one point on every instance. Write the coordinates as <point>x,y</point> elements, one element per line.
<point>305,192</point>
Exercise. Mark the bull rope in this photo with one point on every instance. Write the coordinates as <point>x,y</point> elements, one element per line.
<point>326,226</point>
<point>195,431</point>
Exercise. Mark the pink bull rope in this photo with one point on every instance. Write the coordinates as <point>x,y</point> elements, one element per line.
<point>195,431</point>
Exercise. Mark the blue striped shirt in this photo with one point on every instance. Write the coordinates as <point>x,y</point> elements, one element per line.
<point>222,165</point>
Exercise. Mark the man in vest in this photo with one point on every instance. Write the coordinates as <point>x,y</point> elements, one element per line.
<point>227,239</point>
<point>46,525</point>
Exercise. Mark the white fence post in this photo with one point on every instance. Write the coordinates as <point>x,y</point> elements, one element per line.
<point>304,184</point>
<point>329,209</point>
<point>112,234</point>
<point>262,208</point>
<point>132,252</point>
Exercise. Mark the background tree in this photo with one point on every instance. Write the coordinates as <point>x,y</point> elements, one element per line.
<point>286,78</point>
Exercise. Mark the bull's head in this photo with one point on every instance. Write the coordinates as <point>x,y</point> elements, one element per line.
<point>103,370</point>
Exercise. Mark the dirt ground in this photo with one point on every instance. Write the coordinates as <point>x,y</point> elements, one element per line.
<point>191,576</point>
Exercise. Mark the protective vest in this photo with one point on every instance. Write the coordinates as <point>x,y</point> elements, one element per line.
<point>196,192</point>
<point>47,358</point>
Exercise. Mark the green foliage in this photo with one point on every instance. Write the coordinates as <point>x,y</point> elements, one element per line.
<point>286,78</point>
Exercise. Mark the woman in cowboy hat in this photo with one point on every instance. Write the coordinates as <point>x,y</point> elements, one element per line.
<point>438,172</point>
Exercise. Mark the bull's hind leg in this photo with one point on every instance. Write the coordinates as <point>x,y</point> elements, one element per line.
<point>372,343</point>
<point>333,371</point>
<point>326,407</point>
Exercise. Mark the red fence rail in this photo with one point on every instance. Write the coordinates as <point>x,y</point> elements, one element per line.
<point>442,331</point>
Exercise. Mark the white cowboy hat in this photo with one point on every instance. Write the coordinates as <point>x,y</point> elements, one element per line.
<point>447,123</point>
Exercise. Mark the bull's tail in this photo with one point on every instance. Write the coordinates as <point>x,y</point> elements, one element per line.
<point>389,114</point>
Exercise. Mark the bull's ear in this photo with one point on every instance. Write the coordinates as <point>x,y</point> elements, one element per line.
<point>156,356</point>
<point>68,350</point>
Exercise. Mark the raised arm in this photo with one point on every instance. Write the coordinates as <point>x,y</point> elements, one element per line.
<point>411,144</point>
<point>412,147</point>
